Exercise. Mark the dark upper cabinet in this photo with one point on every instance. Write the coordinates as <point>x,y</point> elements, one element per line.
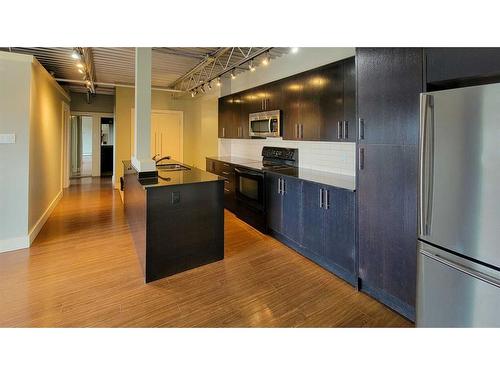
<point>455,67</point>
<point>330,93</point>
<point>231,122</point>
<point>389,83</point>
<point>317,105</point>
<point>350,127</point>
<point>290,115</point>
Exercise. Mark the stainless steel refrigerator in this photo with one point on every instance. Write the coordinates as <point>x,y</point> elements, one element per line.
<point>458,282</point>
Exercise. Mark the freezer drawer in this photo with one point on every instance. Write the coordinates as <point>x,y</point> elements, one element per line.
<point>450,294</point>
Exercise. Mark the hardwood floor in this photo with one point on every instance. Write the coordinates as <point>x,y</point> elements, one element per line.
<point>82,271</point>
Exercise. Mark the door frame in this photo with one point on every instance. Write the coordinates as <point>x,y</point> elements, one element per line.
<point>65,144</point>
<point>158,111</point>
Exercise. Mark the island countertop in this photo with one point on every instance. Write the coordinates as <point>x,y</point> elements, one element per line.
<point>165,177</point>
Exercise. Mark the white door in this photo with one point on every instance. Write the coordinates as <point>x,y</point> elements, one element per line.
<point>166,134</point>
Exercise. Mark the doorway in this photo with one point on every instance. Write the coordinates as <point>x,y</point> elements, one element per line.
<point>166,134</point>
<point>81,149</point>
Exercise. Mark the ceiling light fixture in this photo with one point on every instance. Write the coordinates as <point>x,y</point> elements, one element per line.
<point>266,59</point>
<point>233,76</point>
<point>75,54</point>
<point>193,93</point>
<point>202,89</point>
<point>79,65</point>
<point>80,71</point>
<point>218,81</point>
<point>251,66</point>
<point>294,49</point>
<point>209,85</point>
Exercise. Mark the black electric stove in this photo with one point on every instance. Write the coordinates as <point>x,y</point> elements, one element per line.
<point>250,182</point>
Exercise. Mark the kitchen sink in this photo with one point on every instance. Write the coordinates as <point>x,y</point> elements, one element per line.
<point>172,167</point>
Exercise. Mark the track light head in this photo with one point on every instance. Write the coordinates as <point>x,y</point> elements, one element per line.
<point>233,76</point>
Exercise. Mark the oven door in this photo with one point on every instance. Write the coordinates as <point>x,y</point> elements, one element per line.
<point>250,188</point>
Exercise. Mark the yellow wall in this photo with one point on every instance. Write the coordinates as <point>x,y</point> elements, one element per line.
<point>45,144</point>
<point>200,125</point>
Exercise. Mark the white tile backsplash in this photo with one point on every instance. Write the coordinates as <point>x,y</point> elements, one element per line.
<point>334,157</point>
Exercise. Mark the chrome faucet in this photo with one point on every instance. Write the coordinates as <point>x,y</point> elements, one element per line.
<point>163,158</point>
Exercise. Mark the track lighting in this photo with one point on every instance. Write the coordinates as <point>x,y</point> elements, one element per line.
<point>75,54</point>
<point>294,49</point>
<point>218,81</point>
<point>209,85</point>
<point>266,59</point>
<point>193,93</point>
<point>251,66</point>
<point>80,71</point>
<point>233,76</point>
<point>202,89</point>
<point>79,65</point>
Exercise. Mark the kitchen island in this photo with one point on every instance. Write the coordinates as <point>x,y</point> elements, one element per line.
<point>176,217</point>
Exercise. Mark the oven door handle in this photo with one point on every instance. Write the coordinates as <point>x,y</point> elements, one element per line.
<point>248,173</point>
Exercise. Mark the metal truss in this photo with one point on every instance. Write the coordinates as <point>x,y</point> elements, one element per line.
<point>212,67</point>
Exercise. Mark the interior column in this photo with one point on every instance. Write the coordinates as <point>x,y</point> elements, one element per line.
<point>141,159</point>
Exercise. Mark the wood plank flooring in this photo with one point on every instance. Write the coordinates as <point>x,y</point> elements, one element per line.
<point>82,271</point>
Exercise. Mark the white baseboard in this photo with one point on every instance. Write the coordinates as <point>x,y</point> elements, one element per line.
<point>41,221</point>
<point>16,243</point>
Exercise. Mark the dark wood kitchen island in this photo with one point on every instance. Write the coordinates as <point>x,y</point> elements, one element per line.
<point>176,216</point>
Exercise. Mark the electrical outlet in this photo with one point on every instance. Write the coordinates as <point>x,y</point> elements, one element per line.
<point>7,138</point>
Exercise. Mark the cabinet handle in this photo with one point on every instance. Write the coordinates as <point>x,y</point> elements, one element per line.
<point>283,186</point>
<point>296,131</point>
<point>225,165</point>
<point>361,129</point>
<point>223,132</point>
<point>279,185</point>
<point>227,190</point>
<point>226,173</point>
<point>301,131</point>
<point>320,198</point>
<point>346,129</point>
<point>339,129</point>
<point>327,199</point>
<point>361,158</point>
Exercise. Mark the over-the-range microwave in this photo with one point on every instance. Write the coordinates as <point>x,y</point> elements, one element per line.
<point>264,124</point>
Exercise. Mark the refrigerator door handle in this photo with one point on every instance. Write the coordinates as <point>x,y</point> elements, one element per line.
<point>469,271</point>
<point>426,162</point>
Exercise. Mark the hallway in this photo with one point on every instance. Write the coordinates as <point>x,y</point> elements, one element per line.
<point>82,271</point>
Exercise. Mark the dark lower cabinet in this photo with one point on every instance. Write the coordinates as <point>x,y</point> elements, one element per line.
<point>225,170</point>
<point>329,233</point>
<point>316,220</point>
<point>284,206</point>
<point>274,202</point>
<point>387,192</point>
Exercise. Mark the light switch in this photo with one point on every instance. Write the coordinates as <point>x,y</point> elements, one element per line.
<point>7,138</point>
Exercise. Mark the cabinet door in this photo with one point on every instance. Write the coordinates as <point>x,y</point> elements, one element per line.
<point>389,82</point>
<point>339,228</point>
<point>466,64</point>
<point>273,96</point>
<point>225,116</point>
<point>387,220</point>
<point>291,89</point>
<point>330,83</point>
<point>313,217</point>
<point>350,128</point>
<point>309,108</point>
<point>292,209</point>
<point>274,200</point>
<point>240,128</point>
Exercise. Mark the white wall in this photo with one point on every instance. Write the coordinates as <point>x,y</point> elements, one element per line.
<point>15,72</point>
<point>31,107</point>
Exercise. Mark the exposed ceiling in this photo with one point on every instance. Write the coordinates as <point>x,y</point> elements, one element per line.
<point>172,68</point>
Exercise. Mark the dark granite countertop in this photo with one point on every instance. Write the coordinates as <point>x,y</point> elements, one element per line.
<point>321,177</point>
<point>171,178</point>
